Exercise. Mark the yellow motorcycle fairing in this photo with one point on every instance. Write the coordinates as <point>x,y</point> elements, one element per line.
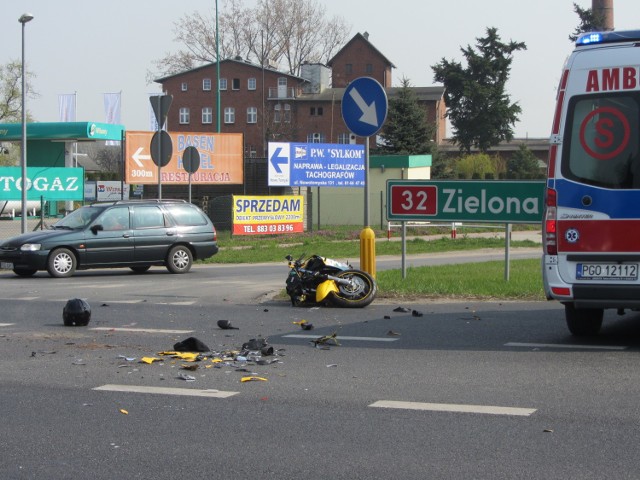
<point>324,289</point>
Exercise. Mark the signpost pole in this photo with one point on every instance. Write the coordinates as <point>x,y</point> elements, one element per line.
<point>507,250</point>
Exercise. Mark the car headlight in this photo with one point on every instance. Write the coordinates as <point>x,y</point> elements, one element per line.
<point>30,247</point>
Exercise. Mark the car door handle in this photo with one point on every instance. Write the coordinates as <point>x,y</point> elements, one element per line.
<point>171,233</point>
<point>126,235</point>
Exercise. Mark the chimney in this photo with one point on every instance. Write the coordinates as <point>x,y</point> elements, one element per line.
<point>366,34</point>
<point>603,9</point>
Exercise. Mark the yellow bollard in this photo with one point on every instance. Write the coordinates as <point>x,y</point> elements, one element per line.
<point>368,251</point>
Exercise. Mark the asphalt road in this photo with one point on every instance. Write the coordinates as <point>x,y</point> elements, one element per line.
<point>466,390</point>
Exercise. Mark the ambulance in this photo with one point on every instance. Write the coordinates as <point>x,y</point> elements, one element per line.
<point>591,226</point>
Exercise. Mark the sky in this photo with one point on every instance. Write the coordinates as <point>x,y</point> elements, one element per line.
<point>92,48</point>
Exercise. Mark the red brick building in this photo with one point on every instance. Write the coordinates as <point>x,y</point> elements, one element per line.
<point>267,105</point>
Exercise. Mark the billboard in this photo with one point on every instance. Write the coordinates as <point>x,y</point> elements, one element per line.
<point>316,165</point>
<point>267,215</point>
<point>221,159</point>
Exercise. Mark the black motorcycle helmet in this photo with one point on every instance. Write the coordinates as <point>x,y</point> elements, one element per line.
<point>76,312</point>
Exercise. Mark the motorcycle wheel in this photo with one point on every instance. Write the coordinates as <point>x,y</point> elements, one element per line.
<point>359,293</point>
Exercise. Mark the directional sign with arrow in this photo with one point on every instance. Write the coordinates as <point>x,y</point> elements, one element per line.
<point>279,168</point>
<point>278,159</point>
<point>364,106</point>
<point>139,158</point>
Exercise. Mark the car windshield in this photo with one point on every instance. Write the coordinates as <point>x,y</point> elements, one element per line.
<point>80,218</point>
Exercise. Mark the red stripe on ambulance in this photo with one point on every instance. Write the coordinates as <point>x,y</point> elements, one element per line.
<point>598,236</point>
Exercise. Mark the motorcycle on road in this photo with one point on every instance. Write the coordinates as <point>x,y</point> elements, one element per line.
<point>322,280</point>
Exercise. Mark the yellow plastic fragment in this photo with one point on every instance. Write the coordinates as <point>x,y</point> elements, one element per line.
<point>123,411</point>
<point>301,322</point>
<point>150,360</point>
<point>250,379</point>
<point>186,356</point>
<point>217,360</point>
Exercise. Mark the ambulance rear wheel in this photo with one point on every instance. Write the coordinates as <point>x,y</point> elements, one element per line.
<point>583,322</point>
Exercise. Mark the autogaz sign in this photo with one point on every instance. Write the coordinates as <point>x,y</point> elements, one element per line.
<point>475,201</point>
<point>52,183</point>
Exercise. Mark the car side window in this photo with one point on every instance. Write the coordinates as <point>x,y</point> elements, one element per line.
<point>115,219</point>
<point>186,215</point>
<point>148,217</point>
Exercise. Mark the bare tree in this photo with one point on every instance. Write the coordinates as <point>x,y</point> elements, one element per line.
<point>275,31</point>
<point>10,93</point>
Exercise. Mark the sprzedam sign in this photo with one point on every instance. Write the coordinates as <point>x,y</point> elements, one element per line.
<point>267,215</point>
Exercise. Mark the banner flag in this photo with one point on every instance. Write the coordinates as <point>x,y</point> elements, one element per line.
<point>67,107</point>
<point>112,111</point>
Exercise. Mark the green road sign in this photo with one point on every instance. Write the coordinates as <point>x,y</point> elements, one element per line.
<point>469,201</point>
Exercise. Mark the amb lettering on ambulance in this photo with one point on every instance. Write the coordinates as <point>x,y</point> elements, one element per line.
<point>254,215</point>
<point>591,258</point>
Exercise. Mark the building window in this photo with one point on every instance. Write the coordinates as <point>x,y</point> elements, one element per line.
<point>277,113</point>
<point>343,138</point>
<point>206,84</point>
<point>229,115</point>
<point>368,68</point>
<point>348,68</point>
<point>252,151</point>
<point>287,113</point>
<point>207,115</point>
<point>316,111</point>
<point>252,115</point>
<point>236,84</point>
<point>251,84</point>
<point>223,84</point>
<point>183,86</point>
<point>184,116</point>
<point>315,138</point>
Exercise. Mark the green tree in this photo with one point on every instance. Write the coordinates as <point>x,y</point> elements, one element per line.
<point>524,165</point>
<point>443,167</point>
<point>477,165</point>
<point>480,111</point>
<point>406,131</point>
<point>589,21</point>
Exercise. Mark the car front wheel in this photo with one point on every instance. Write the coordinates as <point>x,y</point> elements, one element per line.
<point>61,263</point>
<point>179,259</point>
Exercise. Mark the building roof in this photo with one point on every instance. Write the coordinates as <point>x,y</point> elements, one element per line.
<point>239,60</point>
<point>365,38</point>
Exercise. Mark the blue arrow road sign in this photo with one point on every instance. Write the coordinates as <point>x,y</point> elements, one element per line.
<point>364,106</point>
<point>277,160</point>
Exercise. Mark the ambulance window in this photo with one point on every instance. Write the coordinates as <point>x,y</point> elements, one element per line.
<point>601,141</point>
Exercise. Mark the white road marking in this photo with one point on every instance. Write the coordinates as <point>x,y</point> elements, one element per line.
<point>24,298</point>
<point>139,330</point>
<point>177,303</point>
<point>188,392</point>
<point>104,285</point>
<point>6,324</point>
<point>340,337</point>
<point>560,345</point>
<point>457,408</point>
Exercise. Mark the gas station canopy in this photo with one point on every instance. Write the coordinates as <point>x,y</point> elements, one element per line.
<point>62,131</point>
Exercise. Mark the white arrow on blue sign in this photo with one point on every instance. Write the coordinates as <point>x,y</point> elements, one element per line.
<point>364,106</point>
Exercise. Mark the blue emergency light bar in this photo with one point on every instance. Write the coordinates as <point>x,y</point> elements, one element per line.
<point>592,38</point>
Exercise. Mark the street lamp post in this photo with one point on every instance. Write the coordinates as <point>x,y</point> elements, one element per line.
<point>24,18</point>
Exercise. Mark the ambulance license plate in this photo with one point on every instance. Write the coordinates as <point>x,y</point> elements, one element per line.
<point>607,271</point>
